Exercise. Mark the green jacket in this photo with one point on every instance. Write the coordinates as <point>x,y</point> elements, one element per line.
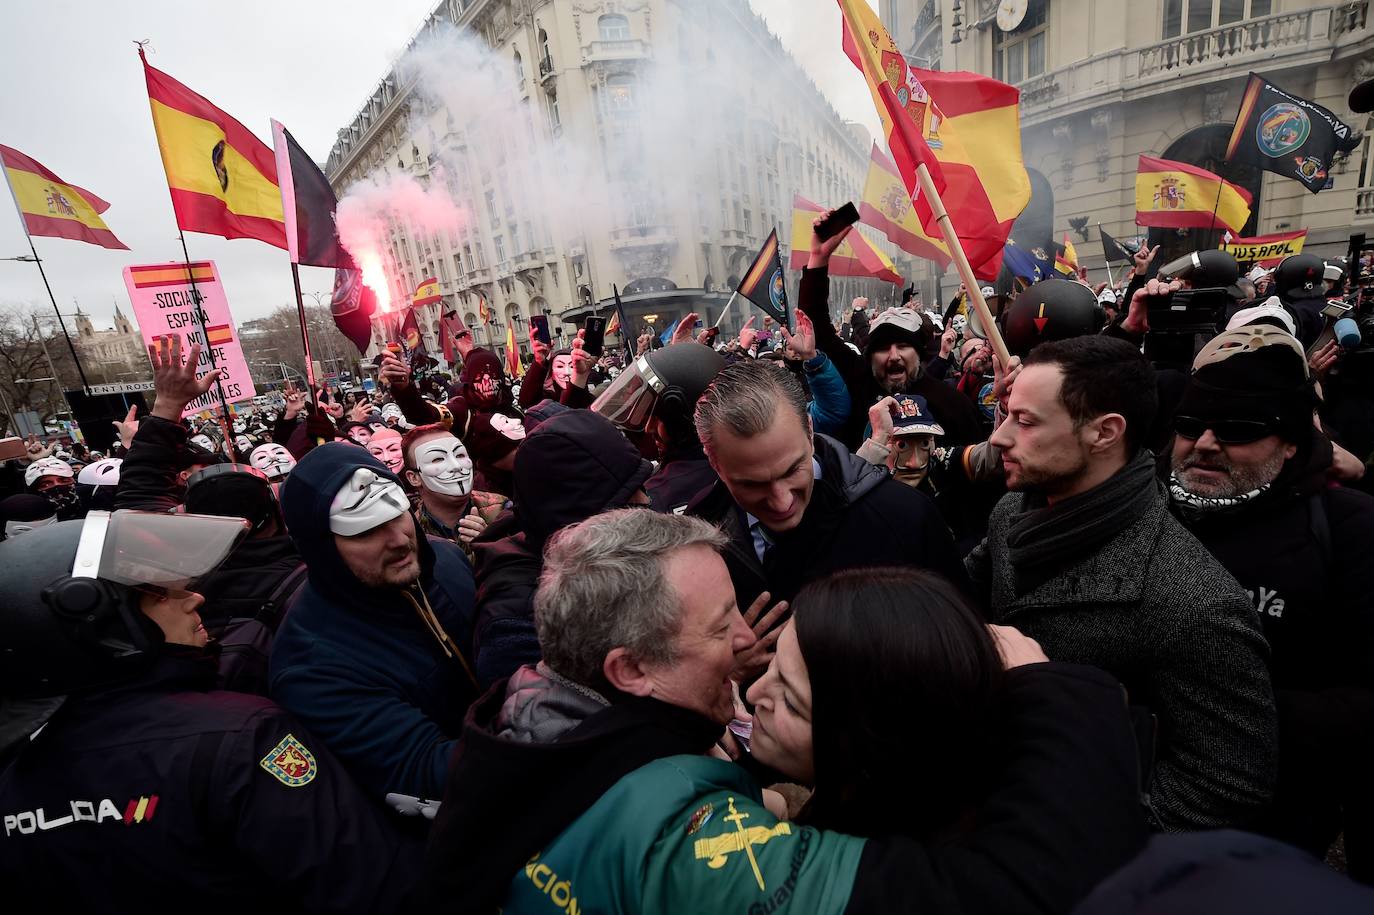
<point>687,831</point>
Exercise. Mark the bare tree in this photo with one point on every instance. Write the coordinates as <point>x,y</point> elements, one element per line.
<point>35,366</point>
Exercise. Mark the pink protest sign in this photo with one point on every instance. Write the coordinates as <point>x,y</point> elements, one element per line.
<point>165,303</point>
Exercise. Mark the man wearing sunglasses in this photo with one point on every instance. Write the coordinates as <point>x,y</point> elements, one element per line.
<point>1250,481</point>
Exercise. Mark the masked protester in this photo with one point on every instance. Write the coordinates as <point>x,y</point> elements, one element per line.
<point>1250,480</point>
<point>440,471</point>
<point>112,725</point>
<point>273,460</point>
<point>891,358</point>
<point>1083,556</point>
<point>53,479</point>
<point>623,809</point>
<point>549,375</point>
<point>573,465</point>
<point>25,512</point>
<point>373,655</point>
<point>385,446</point>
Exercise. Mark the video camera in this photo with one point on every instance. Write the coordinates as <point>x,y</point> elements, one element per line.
<point>1191,311</point>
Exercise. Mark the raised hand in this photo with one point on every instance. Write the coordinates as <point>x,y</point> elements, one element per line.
<point>748,334</point>
<point>127,429</point>
<point>753,660</point>
<point>1143,257</point>
<point>394,372</point>
<point>174,380</point>
<point>802,344</point>
<point>295,401</point>
<point>582,362</point>
<point>821,249</point>
<point>683,332</point>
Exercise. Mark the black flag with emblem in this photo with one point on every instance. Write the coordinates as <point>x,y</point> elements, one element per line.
<point>763,281</point>
<point>1287,135</point>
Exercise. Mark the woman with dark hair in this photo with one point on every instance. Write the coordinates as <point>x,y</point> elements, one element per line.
<point>883,695</point>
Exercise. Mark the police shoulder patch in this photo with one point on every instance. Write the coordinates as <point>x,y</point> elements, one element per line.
<point>290,763</point>
<point>699,818</point>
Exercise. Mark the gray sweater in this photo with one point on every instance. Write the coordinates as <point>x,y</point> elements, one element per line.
<point>1152,607</point>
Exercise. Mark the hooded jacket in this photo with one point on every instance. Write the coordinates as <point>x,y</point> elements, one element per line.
<point>573,465</point>
<point>858,516</point>
<point>360,665</point>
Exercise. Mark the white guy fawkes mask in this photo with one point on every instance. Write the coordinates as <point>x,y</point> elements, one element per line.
<point>272,459</point>
<point>243,444</point>
<point>202,440</point>
<point>385,446</point>
<point>444,465</point>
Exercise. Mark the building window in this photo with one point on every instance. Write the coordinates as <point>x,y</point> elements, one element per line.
<point>546,58</point>
<point>620,94</point>
<point>1019,55</point>
<point>1201,15</point>
<point>500,249</point>
<point>491,206</point>
<point>519,68</point>
<point>613,28</point>
<point>555,120</point>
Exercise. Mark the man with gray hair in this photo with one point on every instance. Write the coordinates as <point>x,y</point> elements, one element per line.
<point>797,505</point>
<point>586,785</point>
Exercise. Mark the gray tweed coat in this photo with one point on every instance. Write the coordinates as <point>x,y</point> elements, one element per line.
<point>1152,607</point>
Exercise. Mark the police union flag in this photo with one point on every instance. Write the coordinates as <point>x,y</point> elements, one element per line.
<point>1287,135</point>
<point>763,281</point>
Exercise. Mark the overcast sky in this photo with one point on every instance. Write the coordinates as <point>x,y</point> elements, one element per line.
<point>74,99</point>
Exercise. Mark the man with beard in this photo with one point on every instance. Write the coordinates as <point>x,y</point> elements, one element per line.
<point>890,362</point>
<point>1083,556</point>
<point>373,656</point>
<point>1250,481</point>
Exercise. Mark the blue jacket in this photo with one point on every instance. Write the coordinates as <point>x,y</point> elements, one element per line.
<point>358,665</point>
<point>830,401</point>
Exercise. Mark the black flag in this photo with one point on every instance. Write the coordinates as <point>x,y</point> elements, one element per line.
<point>1287,135</point>
<point>1113,250</point>
<point>309,204</point>
<point>763,281</point>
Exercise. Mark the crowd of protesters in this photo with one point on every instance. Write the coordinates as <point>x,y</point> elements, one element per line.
<point>842,616</point>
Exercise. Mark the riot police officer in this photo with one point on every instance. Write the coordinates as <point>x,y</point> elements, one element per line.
<point>127,782</point>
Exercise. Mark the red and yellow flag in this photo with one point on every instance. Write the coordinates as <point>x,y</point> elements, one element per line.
<point>53,208</point>
<point>1176,195</point>
<point>856,255</point>
<point>483,309</point>
<point>514,367</point>
<point>613,325</point>
<point>1066,259</point>
<point>920,132</point>
<point>427,293</point>
<point>887,207</point>
<point>223,179</point>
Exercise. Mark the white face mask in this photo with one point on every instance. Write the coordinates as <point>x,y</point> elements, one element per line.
<point>387,449</point>
<point>272,459</point>
<point>562,370</point>
<point>243,444</point>
<point>444,465</point>
<point>203,441</point>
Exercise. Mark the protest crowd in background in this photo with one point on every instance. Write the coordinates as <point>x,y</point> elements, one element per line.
<point>1049,600</point>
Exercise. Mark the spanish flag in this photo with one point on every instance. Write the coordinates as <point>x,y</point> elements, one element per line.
<point>220,333</point>
<point>427,293</point>
<point>483,309</point>
<point>1176,195</point>
<point>1066,258</point>
<point>887,207</point>
<point>856,255</point>
<point>53,208</point>
<point>514,367</point>
<point>920,132</point>
<point>222,178</point>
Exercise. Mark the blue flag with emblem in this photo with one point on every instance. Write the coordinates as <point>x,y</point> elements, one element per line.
<point>1024,264</point>
<point>763,281</point>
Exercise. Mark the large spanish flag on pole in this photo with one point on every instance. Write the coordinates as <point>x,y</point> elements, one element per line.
<point>887,207</point>
<point>1176,195</point>
<point>856,255</point>
<point>222,178</point>
<point>53,208</point>
<point>919,132</point>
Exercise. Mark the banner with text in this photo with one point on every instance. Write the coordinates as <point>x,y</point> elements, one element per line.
<point>1268,250</point>
<point>165,302</point>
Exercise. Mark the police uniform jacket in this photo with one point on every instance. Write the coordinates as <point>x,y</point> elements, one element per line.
<point>160,791</point>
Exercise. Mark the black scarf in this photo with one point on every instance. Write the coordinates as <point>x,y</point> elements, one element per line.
<point>1044,538</point>
<point>506,801</point>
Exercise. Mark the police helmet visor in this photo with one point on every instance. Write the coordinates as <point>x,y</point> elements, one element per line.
<point>153,548</point>
<point>629,400</point>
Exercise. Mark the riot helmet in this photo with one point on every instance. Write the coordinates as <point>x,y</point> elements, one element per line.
<point>663,384</point>
<point>1300,276</point>
<point>1050,310</point>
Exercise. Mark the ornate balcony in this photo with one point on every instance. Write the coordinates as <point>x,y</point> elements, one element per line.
<point>1364,205</point>
<point>642,236</point>
<point>627,49</point>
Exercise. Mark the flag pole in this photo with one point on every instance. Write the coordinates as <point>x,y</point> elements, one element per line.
<point>38,261</point>
<point>726,310</point>
<point>305,337</point>
<point>209,347</point>
<point>965,269</point>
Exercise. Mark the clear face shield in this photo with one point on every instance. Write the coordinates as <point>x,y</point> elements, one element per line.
<point>152,548</point>
<point>629,400</point>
